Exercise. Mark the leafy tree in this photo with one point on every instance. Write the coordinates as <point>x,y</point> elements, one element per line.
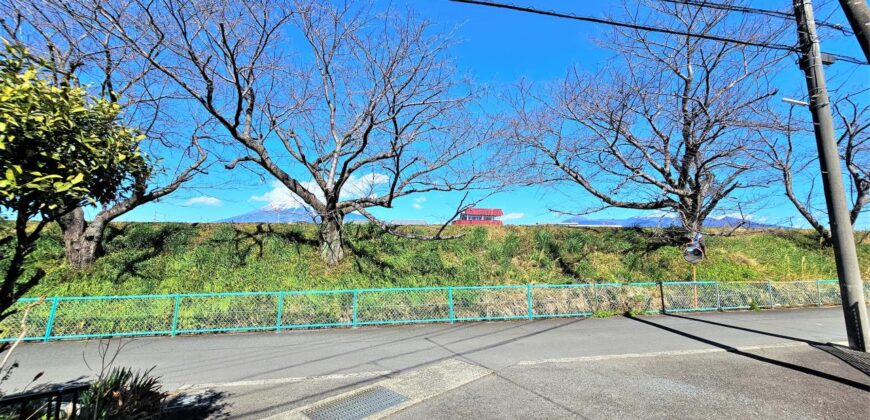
<point>124,77</point>
<point>59,149</point>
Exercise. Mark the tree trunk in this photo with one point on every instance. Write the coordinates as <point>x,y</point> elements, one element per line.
<point>331,238</point>
<point>14,286</point>
<point>82,241</point>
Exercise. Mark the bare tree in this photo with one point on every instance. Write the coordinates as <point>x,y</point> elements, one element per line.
<point>790,161</point>
<point>347,107</point>
<point>47,27</point>
<point>667,126</point>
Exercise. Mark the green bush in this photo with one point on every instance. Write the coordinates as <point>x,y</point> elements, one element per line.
<point>123,394</point>
<point>168,258</point>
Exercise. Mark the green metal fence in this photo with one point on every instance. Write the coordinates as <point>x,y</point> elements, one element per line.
<point>104,316</point>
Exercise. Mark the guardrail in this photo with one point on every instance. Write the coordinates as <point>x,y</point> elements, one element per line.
<point>104,316</point>
<point>47,404</point>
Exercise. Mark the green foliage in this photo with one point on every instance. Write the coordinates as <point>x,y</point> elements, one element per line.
<point>606,313</point>
<point>753,305</point>
<point>155,258</point>
<point>123,394</point>
<point>58,147</point>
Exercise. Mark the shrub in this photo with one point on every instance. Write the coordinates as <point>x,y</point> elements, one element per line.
<point>606,313</point>
<point>123,394</point>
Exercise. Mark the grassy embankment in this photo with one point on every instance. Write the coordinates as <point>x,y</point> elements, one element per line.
<point>155,258</point>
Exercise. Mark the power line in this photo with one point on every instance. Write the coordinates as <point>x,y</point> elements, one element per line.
<point>781,47</point>
<point>753,10</point>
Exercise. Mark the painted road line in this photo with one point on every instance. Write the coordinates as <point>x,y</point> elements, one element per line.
<point>278,381</point>
<point>653,354</point>
<point>415,386</point>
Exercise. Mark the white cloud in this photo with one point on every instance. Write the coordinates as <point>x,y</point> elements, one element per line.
<point>418,202</point>
<point>512,216</point>
<point>202,200</point>
<point>355,187</point>
<point>661,213</point>
<point>737,216</point>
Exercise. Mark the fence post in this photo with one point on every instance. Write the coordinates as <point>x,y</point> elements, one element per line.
<point>50,323</point>
<point>819,292</point>
<point>662,297</point>
<point>595,293</point>
<point>278,319</point>
<point>355,303</point>
<point>718,298</point>
<point>529,297</point>
<point>175,315</point>
<point>450,303</point>
<point>770,292</point>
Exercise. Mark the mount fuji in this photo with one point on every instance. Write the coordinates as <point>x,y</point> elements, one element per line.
<point>273,213</point>
<point>669,222</point>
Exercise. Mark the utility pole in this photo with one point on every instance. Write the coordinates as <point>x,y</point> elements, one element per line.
<point>851,286</point>
<point>859,18</point>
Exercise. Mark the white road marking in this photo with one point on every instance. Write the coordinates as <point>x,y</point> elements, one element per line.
<point>278,381</point>
<point>653,354</point>
<point>418,386</point>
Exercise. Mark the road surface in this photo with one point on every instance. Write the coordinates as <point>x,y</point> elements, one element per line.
<point>767,364</point>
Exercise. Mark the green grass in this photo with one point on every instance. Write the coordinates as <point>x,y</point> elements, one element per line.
<point>156,258</point>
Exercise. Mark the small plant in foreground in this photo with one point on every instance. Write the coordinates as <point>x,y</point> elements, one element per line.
<point>123,394</point>
<point>753,305</point>
<point>606,313</point>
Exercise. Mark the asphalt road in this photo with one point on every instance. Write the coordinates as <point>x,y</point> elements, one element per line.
<point>767,364</point>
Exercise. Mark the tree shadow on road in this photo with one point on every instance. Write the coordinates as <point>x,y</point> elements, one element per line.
<point>452,354</point>
<point>734,350</point>
<point>205,404</point>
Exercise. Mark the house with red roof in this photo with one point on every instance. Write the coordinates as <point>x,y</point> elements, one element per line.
<point>477,216</point>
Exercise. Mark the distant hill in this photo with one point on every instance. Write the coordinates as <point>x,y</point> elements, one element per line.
<point>668,221</point>
<point>277,214</point>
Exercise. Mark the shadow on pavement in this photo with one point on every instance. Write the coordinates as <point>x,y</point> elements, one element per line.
<point>786,337</point>
<point>759,358</point>
<point>463,354</point>
<point>856,359</point>
<point>208,404</point>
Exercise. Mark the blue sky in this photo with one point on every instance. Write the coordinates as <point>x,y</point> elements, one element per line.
<point>499,47</point>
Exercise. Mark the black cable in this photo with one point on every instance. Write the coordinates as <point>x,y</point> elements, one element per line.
<point>781,47</point>
<point>765,12</point>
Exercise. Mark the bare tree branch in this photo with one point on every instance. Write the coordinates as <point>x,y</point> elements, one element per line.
<point>668,127</point>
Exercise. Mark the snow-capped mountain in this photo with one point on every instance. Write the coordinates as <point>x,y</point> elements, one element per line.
<point>667,222</point>
<point>282,214</point>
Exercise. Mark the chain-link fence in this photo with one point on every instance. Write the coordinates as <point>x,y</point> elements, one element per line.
<point>103,316</point>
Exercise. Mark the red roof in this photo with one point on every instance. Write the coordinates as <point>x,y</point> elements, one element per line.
<point>478,222</point>
<point>483,212</point>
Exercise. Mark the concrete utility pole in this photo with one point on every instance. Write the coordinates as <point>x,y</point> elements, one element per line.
<point>859,18</point>
<point>851,286</point>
